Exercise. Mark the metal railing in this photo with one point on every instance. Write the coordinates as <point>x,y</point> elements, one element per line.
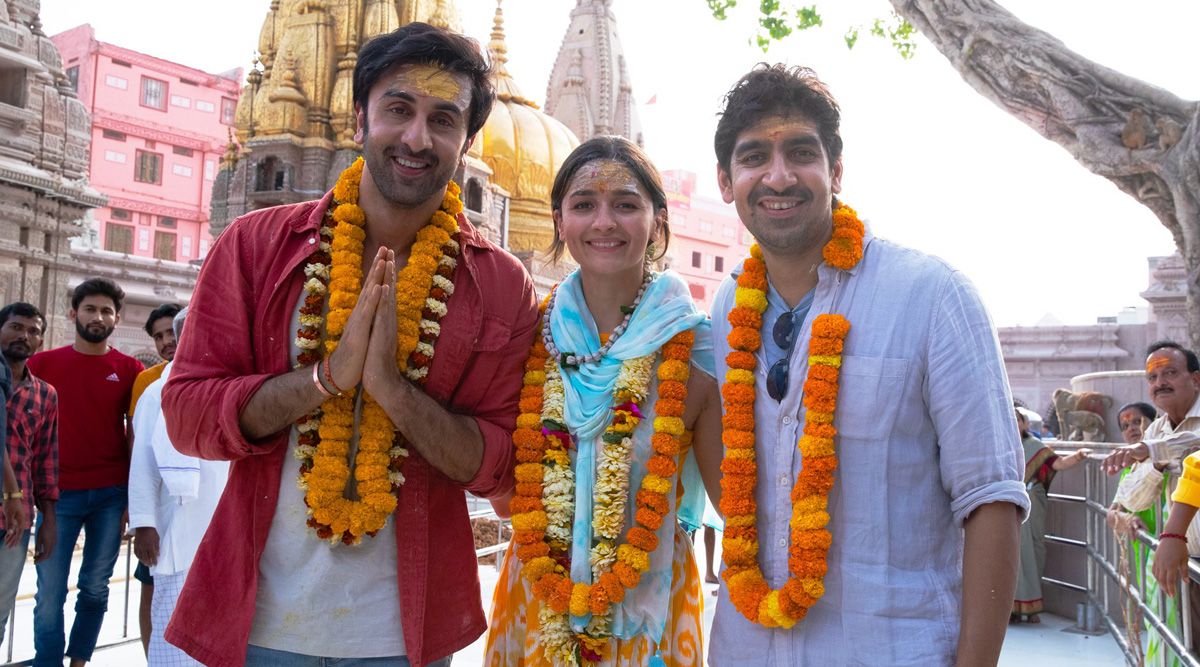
<point>480,511</point>
<point>1105,552</point>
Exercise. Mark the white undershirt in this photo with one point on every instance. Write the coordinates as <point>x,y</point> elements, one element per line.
<point>321,600</point>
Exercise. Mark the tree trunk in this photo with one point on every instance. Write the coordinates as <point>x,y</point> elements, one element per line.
<point>1142,138</point>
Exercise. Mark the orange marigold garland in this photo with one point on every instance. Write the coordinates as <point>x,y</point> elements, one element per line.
<point>423,287</point>
<point>538,507</point>
<point>810,540</point>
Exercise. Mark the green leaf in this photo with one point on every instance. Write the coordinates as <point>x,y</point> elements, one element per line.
<point>719,7</point>
<point>851,38</point>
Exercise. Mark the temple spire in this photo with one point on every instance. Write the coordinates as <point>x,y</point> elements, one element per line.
<point>506,87</point>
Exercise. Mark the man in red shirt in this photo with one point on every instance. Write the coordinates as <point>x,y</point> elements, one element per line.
<point>32,447</point>
<point>252,363</point>
<point>93,382</point>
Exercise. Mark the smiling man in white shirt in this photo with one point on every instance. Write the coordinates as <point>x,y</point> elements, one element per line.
<point>894,539</point>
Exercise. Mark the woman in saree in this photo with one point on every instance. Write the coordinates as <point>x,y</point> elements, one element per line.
<point>1041,465</point>
<point>618,399</point>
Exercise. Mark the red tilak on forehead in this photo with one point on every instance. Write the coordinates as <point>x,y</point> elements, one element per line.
<point>1155,363</point>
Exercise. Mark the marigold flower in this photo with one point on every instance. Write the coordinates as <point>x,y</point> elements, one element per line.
<point>738,394</point>
<point>745,318</point>
<point>628,576</point>
<point>612,587</point>
<point>661,465</point>
<point>642,539</point>
<point>753,276</point>
<point>737,439</point>
<point>671,369</point>
<point>738,466</point>
<point>653,501</point>
<point>669,407</point>
<point>634,557</point>
<point>648,518</point>
<point>742,532</point>
<point>528,552</point>
<point>738,420</point>
<point>580,595</point>
<point>672,390</point>
<point>522,504</point>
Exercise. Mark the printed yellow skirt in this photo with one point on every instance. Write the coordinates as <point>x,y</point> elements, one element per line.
<point>513,629</point>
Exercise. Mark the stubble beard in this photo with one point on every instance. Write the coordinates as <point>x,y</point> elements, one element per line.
<point>17,351</point>
<point>405,193</point>
<point>796,236</point>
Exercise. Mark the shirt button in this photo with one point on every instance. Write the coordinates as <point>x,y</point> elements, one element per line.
<point>783,542</point>
<point>787,419</point>
<point>312,241</point>
<point>783,479</point>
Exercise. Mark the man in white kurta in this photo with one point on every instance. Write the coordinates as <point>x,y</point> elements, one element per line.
<point>171,501</point>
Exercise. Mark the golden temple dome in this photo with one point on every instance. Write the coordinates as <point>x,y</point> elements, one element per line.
<point>524,147</point>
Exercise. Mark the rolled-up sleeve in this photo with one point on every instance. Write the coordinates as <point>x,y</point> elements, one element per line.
<point>496,416</point>
<point>979,453</point>
<point>144,479</point>
<point>1140,488</point>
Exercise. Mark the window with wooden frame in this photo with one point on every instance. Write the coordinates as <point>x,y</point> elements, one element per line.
<point>148,168</point>
<point>118,238</point>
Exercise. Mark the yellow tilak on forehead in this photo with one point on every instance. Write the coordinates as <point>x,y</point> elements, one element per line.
<point>605,175</point>
<point>430,80</point>
<point>1156,363</point>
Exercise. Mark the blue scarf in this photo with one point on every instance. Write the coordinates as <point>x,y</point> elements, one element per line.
<point>666,309</point>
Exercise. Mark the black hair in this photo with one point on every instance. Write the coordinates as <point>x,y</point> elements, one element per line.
<point>423,43</point>
<point>629,155</point>
<point>777,90</point>
<point>1146,409</point>
<point>94,286</point>
<point>165,310</point>
<point>1193,363</point>
<point>21,309</point>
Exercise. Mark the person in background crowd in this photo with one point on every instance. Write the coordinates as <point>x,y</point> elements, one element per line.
<point>94,382</point>
<point>32,448</point>
<point>1173,379</point>
<point>172,497</point>
<point>1041,465</point>
<point>158,327</point>
<point>15,519</point>
<point>437,349</point>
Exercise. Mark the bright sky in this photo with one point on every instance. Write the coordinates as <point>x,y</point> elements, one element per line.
<point>928,161</point>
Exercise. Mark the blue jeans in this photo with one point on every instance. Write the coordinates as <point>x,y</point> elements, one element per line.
<point>98,512</point>
<point>12,561</point>
<point>257,656</point>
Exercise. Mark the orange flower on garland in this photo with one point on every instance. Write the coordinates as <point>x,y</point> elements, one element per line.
<point>810,540</point>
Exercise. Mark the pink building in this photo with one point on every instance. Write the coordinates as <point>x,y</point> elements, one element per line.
<point>707,238</point>
<point>158,132</point>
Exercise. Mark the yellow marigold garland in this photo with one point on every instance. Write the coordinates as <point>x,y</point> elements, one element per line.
<point>423,287</point>
<point>542,517</point>
<point>810,540</point>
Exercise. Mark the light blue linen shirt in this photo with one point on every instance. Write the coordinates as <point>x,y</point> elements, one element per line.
<point>926,434</point>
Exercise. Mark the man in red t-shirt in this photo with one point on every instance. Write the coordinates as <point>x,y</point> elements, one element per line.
<point>94,383</point>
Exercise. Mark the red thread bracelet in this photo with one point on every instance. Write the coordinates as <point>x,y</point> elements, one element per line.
<point>328,374</point>
<point>1176,536</point>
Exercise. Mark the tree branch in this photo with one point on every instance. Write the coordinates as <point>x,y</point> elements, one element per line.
<point>1075,102</point>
